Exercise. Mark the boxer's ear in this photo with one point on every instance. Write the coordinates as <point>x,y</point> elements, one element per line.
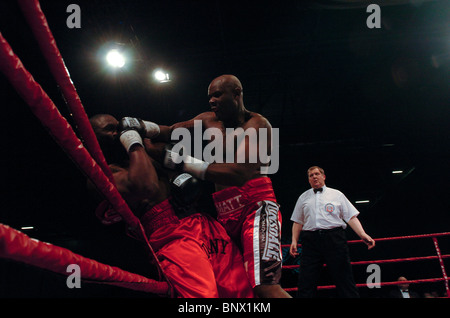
<point>237,91</point>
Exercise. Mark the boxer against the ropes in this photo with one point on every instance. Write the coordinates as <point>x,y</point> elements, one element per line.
<point>194,250</point>
<point>244,198</point>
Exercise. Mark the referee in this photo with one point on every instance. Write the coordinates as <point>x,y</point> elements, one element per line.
<point>320,217</point>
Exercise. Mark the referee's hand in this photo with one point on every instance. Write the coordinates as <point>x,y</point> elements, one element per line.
<point>293,249</point>
<point>368,241</point>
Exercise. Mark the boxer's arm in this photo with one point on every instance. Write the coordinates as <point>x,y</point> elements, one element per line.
<point>166,131</point>
<point>245,164</point>
<point>139,181</point>
<point>232,174</point>
<point>238,172</point>
<point>156,147</point>
<point>247,161</point>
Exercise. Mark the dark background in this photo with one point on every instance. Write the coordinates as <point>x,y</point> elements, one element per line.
<point>358,102</point>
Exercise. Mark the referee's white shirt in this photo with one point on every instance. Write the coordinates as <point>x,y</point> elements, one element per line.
<point>323,210</point>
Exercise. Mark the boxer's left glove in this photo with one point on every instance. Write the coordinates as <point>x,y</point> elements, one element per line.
<point>129,138</point>
<point>146,129</point>
<point>131,131</point>
<point>176,160</point>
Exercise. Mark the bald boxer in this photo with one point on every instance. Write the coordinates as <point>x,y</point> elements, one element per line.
<point>244,197</point>
<point>194,250</point>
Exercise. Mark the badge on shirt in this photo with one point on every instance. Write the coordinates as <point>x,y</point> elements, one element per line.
<point>329,208</point>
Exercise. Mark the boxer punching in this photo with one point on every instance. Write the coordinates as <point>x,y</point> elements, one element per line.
<point>194,250</point>
<point>244,197</point>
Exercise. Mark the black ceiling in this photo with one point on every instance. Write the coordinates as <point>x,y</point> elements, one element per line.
<point>360,102</point>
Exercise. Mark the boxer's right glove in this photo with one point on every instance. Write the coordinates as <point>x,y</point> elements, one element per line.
<point>146,129</point>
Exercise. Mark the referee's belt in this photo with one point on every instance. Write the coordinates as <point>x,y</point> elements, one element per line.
<point>326,231</point>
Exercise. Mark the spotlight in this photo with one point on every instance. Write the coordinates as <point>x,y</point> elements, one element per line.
<point>115,58</point>
<point>161,76</point>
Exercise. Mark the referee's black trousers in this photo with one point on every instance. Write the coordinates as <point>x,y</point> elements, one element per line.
<point>329,247</point>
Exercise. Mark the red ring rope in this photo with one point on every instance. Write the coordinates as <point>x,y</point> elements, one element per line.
<point>39,26</point>
<point>47,43</point>
<point>17,246</point>
<point>413,281</point>
<point>441,263</point>
<point>439,256</point>
<point>44,109</point>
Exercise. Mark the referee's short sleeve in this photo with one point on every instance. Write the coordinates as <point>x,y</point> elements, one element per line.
<point>297,215</point>
<point>348,209</point>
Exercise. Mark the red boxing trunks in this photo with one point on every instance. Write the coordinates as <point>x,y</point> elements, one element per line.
<point>196,254</point>
<point>252,217</point>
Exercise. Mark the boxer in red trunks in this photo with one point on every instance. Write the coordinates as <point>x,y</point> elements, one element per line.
<point>194,250</point>
<point>244,197</point>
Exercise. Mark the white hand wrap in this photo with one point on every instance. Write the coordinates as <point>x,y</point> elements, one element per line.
<point>152,129</point>
<point>130,138</point>
<point>195,167</point>
<point>172,159</point>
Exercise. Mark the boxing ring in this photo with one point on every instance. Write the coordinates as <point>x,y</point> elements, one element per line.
<point>87,156</point>
<point>439,257</point>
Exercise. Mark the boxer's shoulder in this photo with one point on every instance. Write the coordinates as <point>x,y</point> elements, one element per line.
<point>209,120</point>
<point>256,121</point>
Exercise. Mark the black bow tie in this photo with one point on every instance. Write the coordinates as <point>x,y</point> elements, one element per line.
<point>318,190</point>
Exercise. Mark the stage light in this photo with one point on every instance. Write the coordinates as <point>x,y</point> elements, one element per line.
<point>161,76</point>
<point>115,58</point>
<point>397,172</point>
<point>362,201</point>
